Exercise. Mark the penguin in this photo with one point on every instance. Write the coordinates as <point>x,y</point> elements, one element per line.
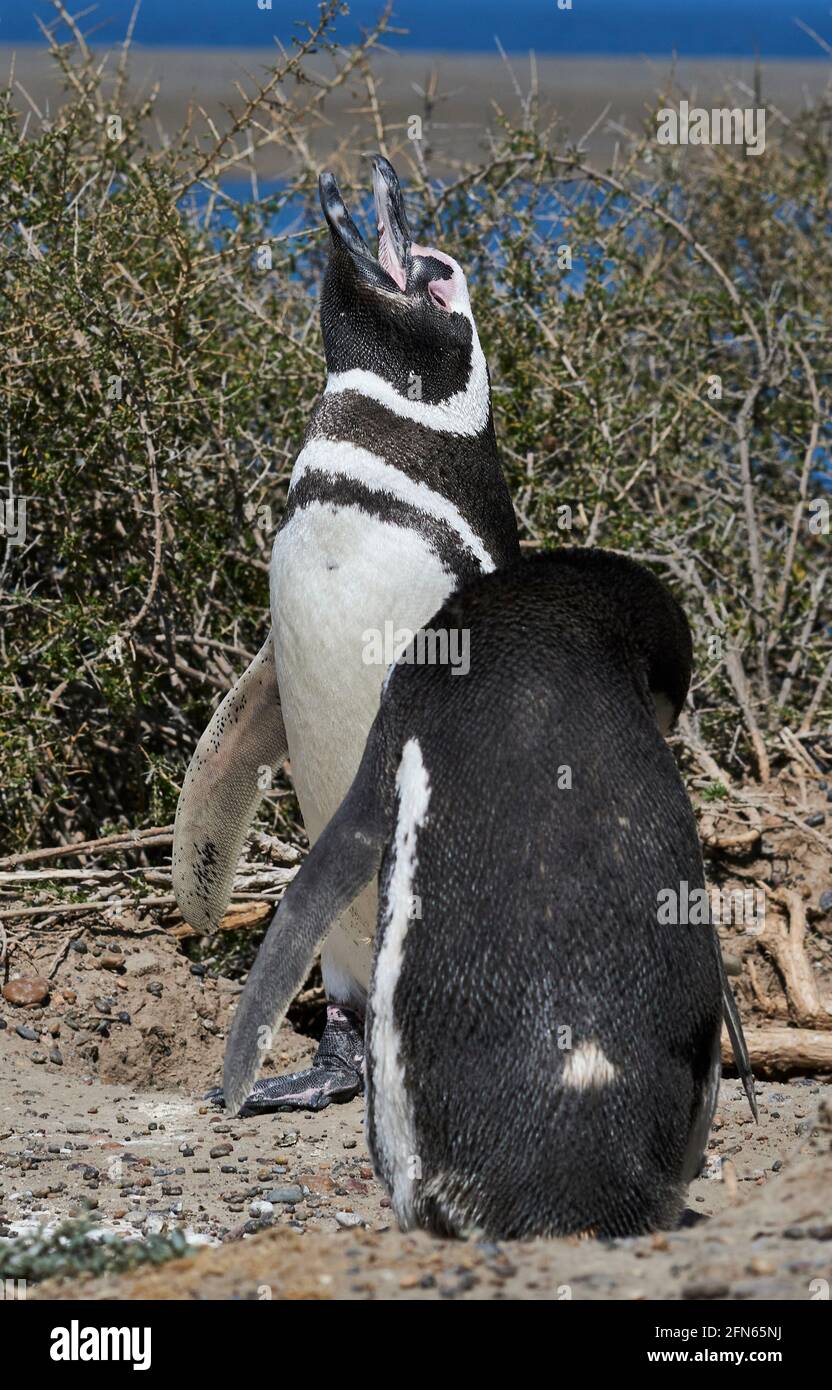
<point>543,1049</point>
<point>396,498</point>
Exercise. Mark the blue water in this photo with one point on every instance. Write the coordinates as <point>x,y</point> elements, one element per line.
<point>657,27</point>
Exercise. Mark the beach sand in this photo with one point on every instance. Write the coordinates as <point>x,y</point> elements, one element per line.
<point>607,97</point>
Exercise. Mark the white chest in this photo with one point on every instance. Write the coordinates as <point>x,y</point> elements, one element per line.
<point>339,578</point>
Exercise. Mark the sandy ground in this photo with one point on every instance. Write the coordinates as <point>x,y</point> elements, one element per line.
<point>612,95</point>
<point>292,1206</point>
<point>104,1069</point>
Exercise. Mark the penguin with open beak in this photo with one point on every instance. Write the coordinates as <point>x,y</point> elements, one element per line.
<point>396,498</point>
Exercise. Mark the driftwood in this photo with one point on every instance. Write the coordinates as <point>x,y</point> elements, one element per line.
<point>130,839</point>
<point>238,917</point>
<point>786,948</point>
<point>780,1052</point>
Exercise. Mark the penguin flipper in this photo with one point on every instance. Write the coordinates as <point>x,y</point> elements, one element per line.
<point>733,1023</point>
<point>343,860</point>
<point>220,793</point>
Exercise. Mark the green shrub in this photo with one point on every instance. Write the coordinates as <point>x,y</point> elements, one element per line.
<point>155,385</point>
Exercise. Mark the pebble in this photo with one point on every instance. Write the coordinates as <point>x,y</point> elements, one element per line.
<point>38,1058</point>
<point>818,818</point>
<point>291,1194</point>
<point>26,991</point>
<point>221,1150</point>
<point>826,900</point>
<point>262,1209</point>
<point>56,1057</point>
<point>349,1219</point>
<point>708,1288</point>
<point>28,1034</point>
<point>155,988</point>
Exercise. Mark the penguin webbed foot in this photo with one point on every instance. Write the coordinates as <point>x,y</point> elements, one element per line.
<point>336,1074</point>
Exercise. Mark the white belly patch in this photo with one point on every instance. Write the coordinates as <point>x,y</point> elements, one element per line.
<point>338,573</point>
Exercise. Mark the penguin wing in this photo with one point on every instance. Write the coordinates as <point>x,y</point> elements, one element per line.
<point>222,790</point>
<point>733,1022</point>
<point>343,860</point>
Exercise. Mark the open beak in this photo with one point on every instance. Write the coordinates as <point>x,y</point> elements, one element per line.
<point>390,268</point>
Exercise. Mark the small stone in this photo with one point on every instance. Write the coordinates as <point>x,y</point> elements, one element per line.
<point>79,947</point>
<point>708,1288</point>
<point>221,1150</point>
<point>350,1143</point>
<point>819,818</point>
<point>28,1034</point>
<point>104,1006</point>
<point>56,1057</point>
<point>111,962</point>
<point>155,988</point>
<point>26,991</point>
<point>39,1058</point>
<point>349,1219</point>
<point>291,1194</point>
<point>261,1209</point>
<point>123,1016</point>
<point>197,969</point>
<point>826,900</point>
<point>186,1151</point>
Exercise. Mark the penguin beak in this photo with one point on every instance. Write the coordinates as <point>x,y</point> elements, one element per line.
<point>393,231</point>
<point>389,270</point>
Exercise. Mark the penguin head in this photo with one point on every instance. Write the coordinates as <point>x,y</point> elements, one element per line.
<point>403,315</point>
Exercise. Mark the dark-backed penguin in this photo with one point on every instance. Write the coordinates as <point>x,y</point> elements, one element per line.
<point>396,497</point>
<point>543,1052</point>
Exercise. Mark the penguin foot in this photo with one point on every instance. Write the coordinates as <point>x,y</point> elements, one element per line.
<point>336,1074</point>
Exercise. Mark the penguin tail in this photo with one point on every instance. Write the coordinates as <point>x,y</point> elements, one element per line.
<point>343,860</point>
<point>733,1023</point>
<point>223,786</point>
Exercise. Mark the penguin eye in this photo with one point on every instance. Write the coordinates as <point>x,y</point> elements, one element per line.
<point>438,295</point>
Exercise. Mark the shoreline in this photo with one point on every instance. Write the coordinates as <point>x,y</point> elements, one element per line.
<point>614,95</point>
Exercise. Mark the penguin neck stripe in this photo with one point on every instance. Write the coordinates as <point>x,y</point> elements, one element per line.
<point>338,458</point>
<point>465,413</point>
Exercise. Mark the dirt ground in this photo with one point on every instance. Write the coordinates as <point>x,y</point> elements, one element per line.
<point>101,1110</point>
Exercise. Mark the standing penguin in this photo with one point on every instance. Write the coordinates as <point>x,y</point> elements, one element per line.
<point>397,496</point>
<point>543,1052</point>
